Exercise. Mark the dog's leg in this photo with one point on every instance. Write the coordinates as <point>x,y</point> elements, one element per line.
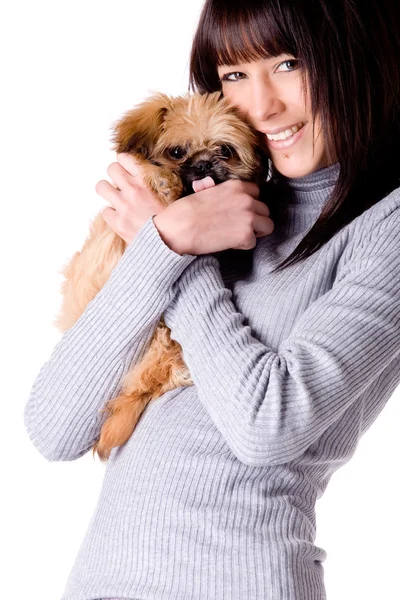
<point>161,369</point>
<point>87,271</point>
<point>165,184</point>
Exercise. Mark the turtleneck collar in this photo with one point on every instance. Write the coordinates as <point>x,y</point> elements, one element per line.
<point>312,189</point>
<point>297,202</point>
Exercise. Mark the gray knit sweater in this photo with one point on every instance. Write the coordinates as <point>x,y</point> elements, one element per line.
<point>213,496</point>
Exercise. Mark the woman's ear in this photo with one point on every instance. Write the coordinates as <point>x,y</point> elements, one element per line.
<point>139,129</point>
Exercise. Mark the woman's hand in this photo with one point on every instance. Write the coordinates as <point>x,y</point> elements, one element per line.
<point>132,201</point>
<point>215,218</point>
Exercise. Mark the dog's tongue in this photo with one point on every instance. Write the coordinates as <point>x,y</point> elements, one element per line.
<point>203,184</point>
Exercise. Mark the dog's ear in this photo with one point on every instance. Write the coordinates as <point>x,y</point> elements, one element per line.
<point>139,129</point>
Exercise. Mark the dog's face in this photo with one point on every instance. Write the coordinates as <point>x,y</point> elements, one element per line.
<point>194,136</point>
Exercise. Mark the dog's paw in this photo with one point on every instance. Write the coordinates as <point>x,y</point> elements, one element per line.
<point>167,185</point>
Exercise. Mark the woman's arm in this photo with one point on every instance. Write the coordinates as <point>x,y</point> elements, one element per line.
<point>271,406</point>
<point>88,364</point>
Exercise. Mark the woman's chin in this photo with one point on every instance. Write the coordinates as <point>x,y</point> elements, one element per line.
<point>290,166</point>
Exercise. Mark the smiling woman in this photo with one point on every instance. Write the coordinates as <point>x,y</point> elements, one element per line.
<point>329,66</point>
<point>213,496</point>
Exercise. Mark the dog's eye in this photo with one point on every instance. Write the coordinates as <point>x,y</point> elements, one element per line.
<point>226,151</point>
<point>177,152</point>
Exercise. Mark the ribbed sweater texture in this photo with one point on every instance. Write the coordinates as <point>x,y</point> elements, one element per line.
<point>213,496</point>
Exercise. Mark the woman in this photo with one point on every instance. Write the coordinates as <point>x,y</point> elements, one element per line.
<point>213,496</point>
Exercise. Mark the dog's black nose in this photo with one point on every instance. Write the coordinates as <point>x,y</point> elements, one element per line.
<point>203,167</point>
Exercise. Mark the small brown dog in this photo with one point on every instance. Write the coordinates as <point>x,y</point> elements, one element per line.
<point>176,140</point>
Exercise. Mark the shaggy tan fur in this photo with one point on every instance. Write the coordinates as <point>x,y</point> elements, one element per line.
<point>204,128</point>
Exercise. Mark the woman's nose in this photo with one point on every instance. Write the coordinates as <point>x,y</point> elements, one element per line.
<point>264,102</point>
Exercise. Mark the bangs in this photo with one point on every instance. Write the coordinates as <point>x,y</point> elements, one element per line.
<point>241,33</point>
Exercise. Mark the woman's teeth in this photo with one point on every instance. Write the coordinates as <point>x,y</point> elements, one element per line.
<point>283,135</point>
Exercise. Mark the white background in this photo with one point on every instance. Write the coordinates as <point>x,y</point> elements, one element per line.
<point>68,71</point>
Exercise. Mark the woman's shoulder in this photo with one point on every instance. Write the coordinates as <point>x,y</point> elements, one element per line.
<point>372,237</point>
<point>379,224</point>
<point>383,213</point>
<point>388,214</point>
<point>391,200</point>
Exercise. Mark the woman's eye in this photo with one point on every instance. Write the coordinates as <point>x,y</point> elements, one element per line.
<point>226,76</point>
<point>226,151</point>
<point>237,75</point>
<point>292,60</point>
<point>177,152</point>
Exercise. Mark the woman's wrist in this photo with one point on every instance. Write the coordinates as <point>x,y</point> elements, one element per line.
<point>174,229</point>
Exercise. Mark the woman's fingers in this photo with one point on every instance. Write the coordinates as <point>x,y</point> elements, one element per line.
<point>251,188</point>
<point>133,202</point>
<point>107,191</point>
<point>119,176</point>
<point>262,226</point>
<point>261,208</point>
<point>131,166</point>
<point>110,216</point>
<point>126,172</point>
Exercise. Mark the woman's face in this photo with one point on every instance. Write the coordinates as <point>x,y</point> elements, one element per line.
<point>269,93</point>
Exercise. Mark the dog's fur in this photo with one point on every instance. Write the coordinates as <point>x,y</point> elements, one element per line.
<point>176,141</point>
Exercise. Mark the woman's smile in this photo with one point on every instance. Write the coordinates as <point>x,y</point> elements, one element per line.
<point>286,138</point>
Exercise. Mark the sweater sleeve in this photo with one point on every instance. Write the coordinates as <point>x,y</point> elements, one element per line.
<point>89,362</point>
<point>271,406</point>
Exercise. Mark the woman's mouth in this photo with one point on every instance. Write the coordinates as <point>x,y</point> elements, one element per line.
<point>286,138</point>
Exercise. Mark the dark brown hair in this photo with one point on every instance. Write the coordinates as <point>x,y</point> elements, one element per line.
<point>350,52</point>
